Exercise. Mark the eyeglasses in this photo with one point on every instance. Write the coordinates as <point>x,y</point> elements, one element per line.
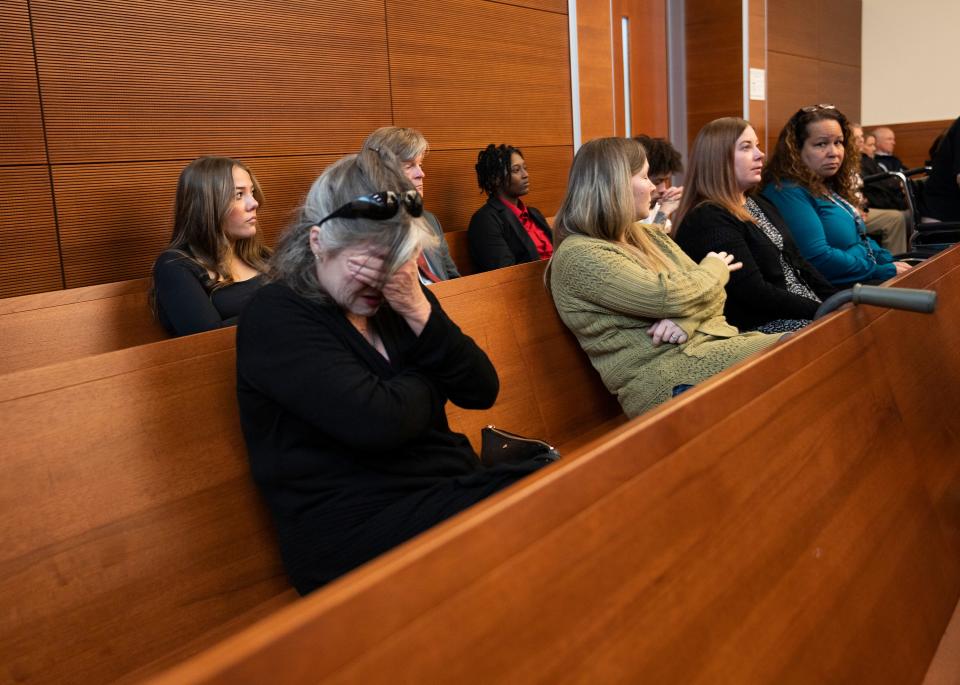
<point>814,108</point>
<point>378,206</point>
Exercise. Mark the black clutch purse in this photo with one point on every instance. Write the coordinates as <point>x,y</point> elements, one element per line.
<point>498,446</point>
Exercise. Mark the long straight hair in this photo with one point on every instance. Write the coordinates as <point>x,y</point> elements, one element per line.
<point>711,176</point>
<point>599,200</point>
<point>205,193</point>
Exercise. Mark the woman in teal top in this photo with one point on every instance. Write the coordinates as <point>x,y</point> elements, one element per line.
<point>811,178</point>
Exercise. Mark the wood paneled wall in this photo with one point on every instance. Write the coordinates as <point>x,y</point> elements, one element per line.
<point>813,57</point>
<point>600,50</point>
<point>914,139</point>
<point>714,33</point>
<point>108,101</point>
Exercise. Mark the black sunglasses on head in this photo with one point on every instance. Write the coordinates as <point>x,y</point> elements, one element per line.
<point>378,206</point>
<point>814,108</point>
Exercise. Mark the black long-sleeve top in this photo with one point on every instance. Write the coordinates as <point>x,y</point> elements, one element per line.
<point>188,303</point>
<point>757,293</point>
<point>348,448</point>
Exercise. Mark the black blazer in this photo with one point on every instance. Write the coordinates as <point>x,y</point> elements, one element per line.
<point>757,293</point>
<point>496,237</point>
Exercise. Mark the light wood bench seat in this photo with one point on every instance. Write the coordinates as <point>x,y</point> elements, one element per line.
<point>793,520</point>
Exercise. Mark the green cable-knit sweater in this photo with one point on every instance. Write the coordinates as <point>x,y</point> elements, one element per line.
<point>609,299</point>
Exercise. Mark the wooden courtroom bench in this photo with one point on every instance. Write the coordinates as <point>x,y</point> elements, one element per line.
<point>460,252</point>
<point>133,535</point>
<point>66,324</point>
<point>795,519</point>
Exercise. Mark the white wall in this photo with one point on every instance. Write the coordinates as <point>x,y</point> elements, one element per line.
<point>911,61</point>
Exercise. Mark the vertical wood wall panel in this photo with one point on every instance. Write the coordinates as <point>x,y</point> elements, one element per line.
<point>818,43</point>
<point>21,128</point>
<point>714,62</point>
<point>758,60</point>
<point>649,94</point>
<point>29,260</point>
<point>596,70</point>
<point>469,73</point>
<point>136,79</point>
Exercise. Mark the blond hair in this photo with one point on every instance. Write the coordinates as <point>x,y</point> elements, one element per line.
<point>599,201</point>
<point>406,143</point>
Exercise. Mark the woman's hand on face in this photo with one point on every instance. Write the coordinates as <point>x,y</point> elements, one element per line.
<point>403,292</point>
<point>666,331</point>
<point>901,267</point>
<point>670,200</point>
<point>726,259</point>
<point>368,269</point>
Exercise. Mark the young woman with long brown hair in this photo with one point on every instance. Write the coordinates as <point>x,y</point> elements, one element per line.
<point>216,258</point>
<point>776,290</point>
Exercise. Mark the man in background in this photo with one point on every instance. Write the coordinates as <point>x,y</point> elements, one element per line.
<point>665,161</point>
<point>886,143</point>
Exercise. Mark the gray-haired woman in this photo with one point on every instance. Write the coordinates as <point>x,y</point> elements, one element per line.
<point>344,365</point>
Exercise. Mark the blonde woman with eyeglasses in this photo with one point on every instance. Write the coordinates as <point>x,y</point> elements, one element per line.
<point>649,317</point>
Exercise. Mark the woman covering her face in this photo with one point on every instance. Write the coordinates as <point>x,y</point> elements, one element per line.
<point>344,365</point>
<point>650,318</point>
<point>215,259</point>
<point>776,290</point>
<point>811,178</point>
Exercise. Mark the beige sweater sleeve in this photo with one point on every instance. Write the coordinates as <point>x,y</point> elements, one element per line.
<point>616,282</point>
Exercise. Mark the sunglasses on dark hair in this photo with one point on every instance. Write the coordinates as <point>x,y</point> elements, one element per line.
<point>378,206</point>
<point>814,108</point>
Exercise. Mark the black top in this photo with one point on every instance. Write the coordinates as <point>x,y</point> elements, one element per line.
<point>186,300</point>
<point>496,238</point>
<point>941,192</point>
<point>352,452</point>
<point>757,293</point>
<point>888,162</point>
<point>883,194</point>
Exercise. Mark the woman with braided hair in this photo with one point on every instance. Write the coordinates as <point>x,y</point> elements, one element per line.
<point>505,231</point>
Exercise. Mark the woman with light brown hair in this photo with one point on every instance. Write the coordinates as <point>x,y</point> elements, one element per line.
<point>776,290</point>
<point>649,317</point>
<point>216,259</point>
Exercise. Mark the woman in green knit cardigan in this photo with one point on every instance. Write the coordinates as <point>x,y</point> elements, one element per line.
<point>649,317</point>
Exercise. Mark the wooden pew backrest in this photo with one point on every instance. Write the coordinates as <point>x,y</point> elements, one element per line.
<point>133,533</point>
<point>67,324</point>
<point>794,519</point>
<point>457,242</point>
<point>548,389</point>
<point>131,527</point>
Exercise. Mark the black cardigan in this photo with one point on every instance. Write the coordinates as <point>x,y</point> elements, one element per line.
<point>496,238</point>
<point>757,293</point>
<point>353,453</point>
